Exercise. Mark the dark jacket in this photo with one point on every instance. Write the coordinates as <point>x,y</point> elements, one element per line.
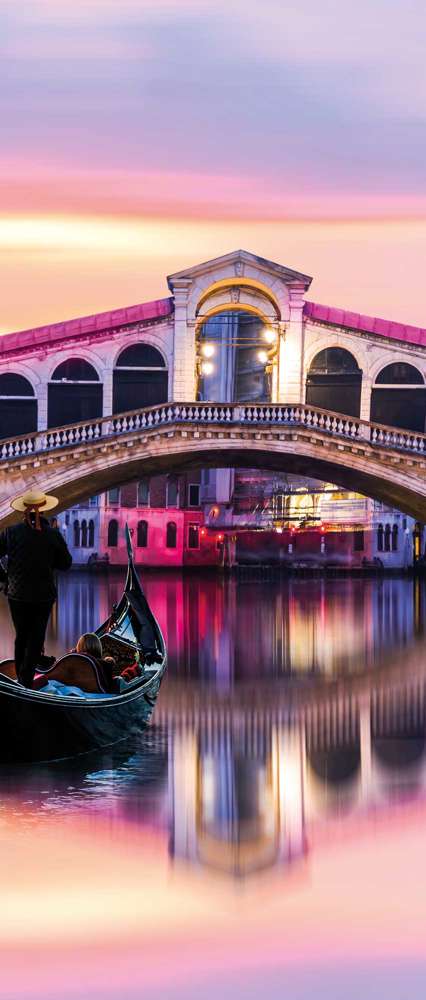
<point>32,558</point>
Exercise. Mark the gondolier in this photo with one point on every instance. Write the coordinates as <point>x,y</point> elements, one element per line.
<point>70,709</point>
<point>34,551</point>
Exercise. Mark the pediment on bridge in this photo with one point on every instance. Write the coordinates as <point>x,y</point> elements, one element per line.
<point>239,263</point>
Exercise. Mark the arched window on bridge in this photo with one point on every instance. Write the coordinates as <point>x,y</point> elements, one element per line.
<point>388,534</point>
<point>84,534</point>
<point>18,406</point>
<point>76,531</point>
<point>171,535</point>
<point>140,378</point>
<point>74,393</point>
<point>91,534</point>
<point>398,397</point>
<point>113,533</point>
<point>142,537</point>
<point>395,538</point>
<point>380,538</point>
<point>334,382</point>
<point>235,351</point>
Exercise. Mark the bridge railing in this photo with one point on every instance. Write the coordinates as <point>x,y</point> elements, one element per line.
<point>259,414</point>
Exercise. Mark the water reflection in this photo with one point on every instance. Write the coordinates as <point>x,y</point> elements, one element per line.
<point>243,786</point>
<point>282,784</point>
<point>224,631</point>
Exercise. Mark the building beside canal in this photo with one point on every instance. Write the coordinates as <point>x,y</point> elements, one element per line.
<point>235,329</point>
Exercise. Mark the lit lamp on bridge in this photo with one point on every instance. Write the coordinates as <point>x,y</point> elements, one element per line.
<point>269,356</point>
<point>204,364</point>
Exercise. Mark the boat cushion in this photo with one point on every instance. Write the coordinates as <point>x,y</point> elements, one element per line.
<point>76,670</point>
<point>69,691</point>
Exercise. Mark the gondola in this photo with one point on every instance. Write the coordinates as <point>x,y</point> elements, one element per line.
<point>36,726</point>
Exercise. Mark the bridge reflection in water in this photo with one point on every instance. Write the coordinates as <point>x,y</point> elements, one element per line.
<point>291,712</point>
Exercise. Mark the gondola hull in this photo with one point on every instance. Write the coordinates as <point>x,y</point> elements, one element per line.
<point>39,726</point>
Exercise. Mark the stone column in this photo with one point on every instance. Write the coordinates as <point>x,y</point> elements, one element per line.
<point>41,393</point>
<point>183,383</point>
<point>366,386</point>
<point>292,346</point>
<point>107,379</point>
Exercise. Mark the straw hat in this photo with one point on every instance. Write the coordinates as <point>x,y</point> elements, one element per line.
<point>34,499</point>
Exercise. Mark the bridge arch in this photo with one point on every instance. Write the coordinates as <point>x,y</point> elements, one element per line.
<point>18,404</point>
<point>334,380</point>
<point>140,377</point>
<point>224,285</point>
<point>74,392</point>
<point>176,437</point>
<point>398,396</point>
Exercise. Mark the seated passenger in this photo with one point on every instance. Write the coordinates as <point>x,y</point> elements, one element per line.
<point>90,644</point>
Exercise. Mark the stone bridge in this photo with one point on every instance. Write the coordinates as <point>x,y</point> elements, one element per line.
<point>83,459</point>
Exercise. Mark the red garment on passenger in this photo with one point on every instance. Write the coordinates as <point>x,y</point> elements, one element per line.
<point>129,673</point>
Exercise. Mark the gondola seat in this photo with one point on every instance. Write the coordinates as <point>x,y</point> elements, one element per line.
<point>76,670</point>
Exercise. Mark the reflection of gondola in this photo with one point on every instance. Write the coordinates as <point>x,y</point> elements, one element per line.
<point>35,726</point>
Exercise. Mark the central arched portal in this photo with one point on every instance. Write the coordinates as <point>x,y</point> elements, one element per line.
<point>235,363</point>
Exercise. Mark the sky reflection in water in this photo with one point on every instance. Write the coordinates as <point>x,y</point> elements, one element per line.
<point>265,834</point>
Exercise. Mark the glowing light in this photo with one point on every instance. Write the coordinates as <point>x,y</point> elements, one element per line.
<point>202,532</point>
<point>279,531</point>
<point>208,350</point>
<point>220,538</point>
<point>262,356</point>
<point>269,335</point>
<point>207,368</point>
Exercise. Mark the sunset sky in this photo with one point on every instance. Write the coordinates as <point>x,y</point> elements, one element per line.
<point>139,138</point>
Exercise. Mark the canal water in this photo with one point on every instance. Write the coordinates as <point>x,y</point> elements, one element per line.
<point>265,836</point>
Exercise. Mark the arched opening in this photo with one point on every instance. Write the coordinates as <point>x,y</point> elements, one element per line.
<point>394,538</point>
<point>398,728</point>
<point>171,535</point>
<point>76,531</point>
<point>84,534</point>
<point>336,765</point>
<point>399,751</point>
<point>334,382</point>
<point>140,378</point>
<point>18,406</point>
<point>380,538</point>
<point>142,536</point>
<point>399,397</point>
<point>235,357</point>
<point>91,534</point>
<point>387,538</point>
<point>113,533</point>
<point>74,393</point>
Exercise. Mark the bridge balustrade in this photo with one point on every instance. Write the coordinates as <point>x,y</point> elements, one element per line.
<point>266,415</point>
